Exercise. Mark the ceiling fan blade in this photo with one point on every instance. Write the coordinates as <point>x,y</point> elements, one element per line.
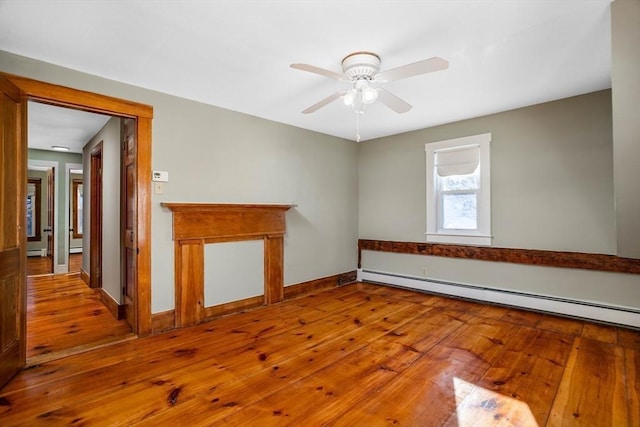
<point>318,70</point>
<point>329,99</point>
<point>393,102</point>
<point>421,67</point>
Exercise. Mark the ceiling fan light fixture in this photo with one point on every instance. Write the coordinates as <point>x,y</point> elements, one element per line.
<point>349,97</point>
<point>360,69</point>
<point>369,95</point>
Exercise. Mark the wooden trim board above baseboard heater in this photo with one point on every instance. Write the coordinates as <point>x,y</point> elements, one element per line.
<point>618,315</point>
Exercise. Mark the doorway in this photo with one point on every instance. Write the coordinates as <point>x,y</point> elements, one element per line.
<point>64,96</point>
<point>62,315</point>
<point>75,185</point>
<point>41,216</point>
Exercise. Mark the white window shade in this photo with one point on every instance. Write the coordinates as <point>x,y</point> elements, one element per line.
<point>459,161</point>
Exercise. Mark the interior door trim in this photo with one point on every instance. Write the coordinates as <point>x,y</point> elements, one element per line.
<point>93,102</point>
<point>95,214</point>
<point>55,165</point>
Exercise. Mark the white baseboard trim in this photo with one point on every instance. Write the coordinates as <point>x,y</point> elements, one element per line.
<point>75,250</point>
<point>34,252</point>
<point>620,315</point>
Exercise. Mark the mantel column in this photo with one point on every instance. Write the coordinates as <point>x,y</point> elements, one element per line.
<point>273,269</point>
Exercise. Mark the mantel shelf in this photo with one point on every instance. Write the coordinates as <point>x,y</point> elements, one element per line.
<point>200,207</point>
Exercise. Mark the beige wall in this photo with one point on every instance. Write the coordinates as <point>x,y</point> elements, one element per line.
<point>551,187</point>
<point>551,177</point>
<point>109,135</point>
<point>217,155</point>
<point>625,80</point>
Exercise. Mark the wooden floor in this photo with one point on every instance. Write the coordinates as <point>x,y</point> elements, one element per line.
<point>358,355</point>
<point>37,266</point>
<point>65,315</point>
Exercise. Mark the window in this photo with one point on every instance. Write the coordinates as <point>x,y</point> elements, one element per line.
<point>33,209</point>
<point>76,208</point>
<point>458,191</point>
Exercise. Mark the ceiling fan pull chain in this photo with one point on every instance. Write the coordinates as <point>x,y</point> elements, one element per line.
<point>357,127</point>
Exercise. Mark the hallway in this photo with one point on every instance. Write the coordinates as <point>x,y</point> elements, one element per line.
<point>37,266</point>
<point>65,316</point>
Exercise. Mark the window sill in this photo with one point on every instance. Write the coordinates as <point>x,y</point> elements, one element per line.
<point>459,239</point>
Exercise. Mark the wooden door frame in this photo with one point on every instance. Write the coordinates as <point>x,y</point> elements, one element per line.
<point>51,218</point>
<point>88,101</point>
<point>95,223</point>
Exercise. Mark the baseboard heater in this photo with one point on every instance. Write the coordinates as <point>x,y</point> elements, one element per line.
<point>37,252</point>
<point>618,315</point>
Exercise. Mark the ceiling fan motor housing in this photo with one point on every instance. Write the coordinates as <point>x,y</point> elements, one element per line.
<point>359,65</point>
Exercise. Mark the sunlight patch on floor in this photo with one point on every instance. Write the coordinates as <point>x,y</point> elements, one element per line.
<point>477,406</point>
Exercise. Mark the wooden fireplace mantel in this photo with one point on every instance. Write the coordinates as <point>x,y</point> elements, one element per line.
<point>196,224</point>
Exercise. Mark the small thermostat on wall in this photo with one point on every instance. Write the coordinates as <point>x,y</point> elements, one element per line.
<point>160,176</point>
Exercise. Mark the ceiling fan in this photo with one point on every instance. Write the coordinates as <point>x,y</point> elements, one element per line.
<point>361,69</point>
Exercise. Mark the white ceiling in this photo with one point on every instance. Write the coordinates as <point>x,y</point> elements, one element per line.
<point>236,53</point>
<point>49,126</point>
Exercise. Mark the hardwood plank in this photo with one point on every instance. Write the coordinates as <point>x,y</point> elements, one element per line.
<point>37,266</point>
<point>239,326</point>
<point>358,354</point>
<point>521,317</point>
<point>492,311</point>
<point>408,295</point>
<point>464,354</point>
<point>560,324</point>
<point>523,381</point>
<point>64,313</point>
<point>330,389</point>
<point>61,370</point>
<point>629,338</point>
<point>593,390</point>
<point>604,333</point>
<point>134,375</point>
<point>482,407</point>
<point>632,368</point>
<point>278,375</point>
<point>75,263</point>
<point>249,354</point>
<point>427,393</point>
